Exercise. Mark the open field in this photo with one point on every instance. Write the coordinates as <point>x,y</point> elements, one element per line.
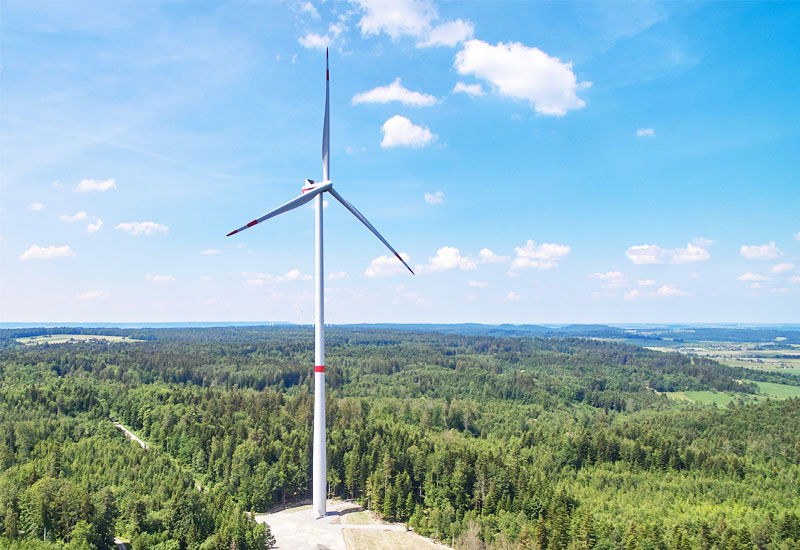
<point>776,391</point>
<point>760,356</point>
<point>357,539</point>
<point>66,338</point>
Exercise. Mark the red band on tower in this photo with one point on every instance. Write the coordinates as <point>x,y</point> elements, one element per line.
<point>319,368</point>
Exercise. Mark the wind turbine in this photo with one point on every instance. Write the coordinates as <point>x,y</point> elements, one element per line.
<point>314,190</point>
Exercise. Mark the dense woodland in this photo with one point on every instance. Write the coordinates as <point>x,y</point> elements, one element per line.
<point>512,442</point>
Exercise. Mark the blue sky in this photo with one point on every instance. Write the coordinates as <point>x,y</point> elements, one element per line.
<point>537,162</point>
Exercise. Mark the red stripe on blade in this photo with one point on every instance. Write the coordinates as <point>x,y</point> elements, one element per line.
<point>232,232</point>
<point>252,223</point>
<point>319,368</point>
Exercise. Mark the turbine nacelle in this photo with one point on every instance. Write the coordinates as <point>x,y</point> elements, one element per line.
<point>310,185</point>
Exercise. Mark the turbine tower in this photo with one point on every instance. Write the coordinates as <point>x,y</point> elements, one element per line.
<point>314,190</point>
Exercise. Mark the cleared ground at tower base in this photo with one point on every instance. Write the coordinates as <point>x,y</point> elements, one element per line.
<point>347,526</point>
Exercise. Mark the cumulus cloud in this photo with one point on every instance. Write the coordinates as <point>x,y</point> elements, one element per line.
<point>160,278</point>
<point>447,257</point>
<point>794,279</point>
<point>543,256</point>
<point>653,254</point>
<point>669,291</point>
<point>753,277</point>
<point>633,294</point>
<point>761,252</point>
<point>209,251</point>
<point>782,268</point>
<point>611,279</point>
<point>474,90</point>
<point>646,254</point>
<point>434,198</point>
<point>395,17</point>
<point>646,282</point>
<point>314,41</point>
<point>143,228</point>
<point>512,296</point>
<point>394,92</point>
<point>486,256</point>
<point>36,206</point>
<point>92,295</point>
<point>95,185</point>
<point>94,227</point>
<point>399,131</point>
<point>294,275</point>
<point>478,284</point>
<point>645,132</point>
<point>702,241</point>
<point>450,34</point>
<point>36,252</point>
<point>692,253</point>
<point>74,218</point>
<point>383,266</point>
<point>520,72</point>
<point>797,236</point>
<point>338,275</point>
<point>308,7</point>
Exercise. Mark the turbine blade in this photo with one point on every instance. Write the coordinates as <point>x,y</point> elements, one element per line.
<point>365,221</point>
<point>292,204</point>
<point>326,128</point>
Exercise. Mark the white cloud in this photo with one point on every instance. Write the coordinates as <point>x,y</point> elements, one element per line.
<point>94,227</point>
<point>797,236</point>
<point>209,251</point>
<point>396,17</point>
<point>761,252</point>
<point>450,34</point>
<point>782,268</point>
<point>383,266</point>
<point>692,253</point>
<point>646,282</point>
<point>794,279</point>
<point>653,254</point>
<point>755,285</point>
<point>95,185</point>
<point>143,228</point>
<point>338,275</point>
<point>74,218</point>
<point>479,284</point>
<point>92,295</point>
<point>646,254</point>
<point>399,131</point>
<point>645,132</point>
<point>543,256</point>
<point>669,291</point>
<point>255,282</point>
<point>474,90</point>
<point>337,28</point>
<point>308,7</point>
<point>447,257</point>
<point>702,241</point>
<point>434,198</point>
<point>512,296</point>
<point>486,256</point>
<point>520,72</point>
<point>160,278</point>
<point>394,92</point>
<point>36,206</point>
<point>36,252</point>
<point>613,279</point>
<point>294,275</point>
<point>749,277</point>
<point>633,294</point>
<point>313,41</point>
<point>57,184</point>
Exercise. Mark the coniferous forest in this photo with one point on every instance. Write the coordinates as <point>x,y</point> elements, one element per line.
<point>488,442</point>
